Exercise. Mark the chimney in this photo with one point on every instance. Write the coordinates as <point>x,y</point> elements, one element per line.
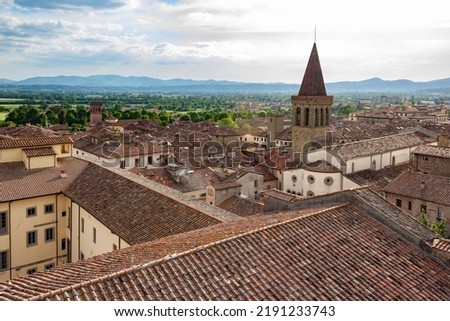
<point>63,173</point>
<point>422,185</point>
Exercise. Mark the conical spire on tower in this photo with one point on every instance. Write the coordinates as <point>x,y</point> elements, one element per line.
<point>313,84</point>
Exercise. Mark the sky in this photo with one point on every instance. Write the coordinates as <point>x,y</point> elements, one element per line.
<point>239,40</point>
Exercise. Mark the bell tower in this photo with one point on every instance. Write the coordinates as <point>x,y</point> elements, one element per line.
<point>311,110</point>
<point>95,110</point>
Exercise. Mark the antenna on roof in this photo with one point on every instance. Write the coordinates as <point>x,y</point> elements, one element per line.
<point>315,33</point>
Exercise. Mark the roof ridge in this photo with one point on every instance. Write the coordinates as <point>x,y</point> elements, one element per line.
<point>141,266</point>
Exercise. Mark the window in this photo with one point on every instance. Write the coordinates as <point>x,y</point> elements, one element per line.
<point>398,202</point>
<point>3,223</point>
<point>425,158</point>
<point>48,208</point>
<point>122,164</point>
<point>294,178</point>
<point>49,266</point>
<point>423,208</point>
<point>63,213</point>
<point>409,205</point>
<point>114,247</point>
<point>49,234</point>
<point>94,235</point>
<point>31,211</point>
<point>136,162</point>
<point>31,238</point>
<point>439,214</point>
<point>31,271</point>
<point>202,195</point>
<point>328,180</point>
<point>311,179</point>
<point>255,183</point>
<point>149,160</point>
<point>82,225</point>
<point>65,149</point>
<point>63,244</point>
<point>310,193</point>
<point>210,192</point>
<point>3,260</point>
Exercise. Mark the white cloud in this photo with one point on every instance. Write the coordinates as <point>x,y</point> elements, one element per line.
<point>267,40</point>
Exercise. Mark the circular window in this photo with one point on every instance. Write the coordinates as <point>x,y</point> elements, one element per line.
<point>328,180</point>
<point>288,190</point>
<point>310,179</point>
<point>310,193</point>
<point>294,178</point>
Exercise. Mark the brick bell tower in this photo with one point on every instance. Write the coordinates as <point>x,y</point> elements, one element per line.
<point>95,110</point>
<point>311,110</point>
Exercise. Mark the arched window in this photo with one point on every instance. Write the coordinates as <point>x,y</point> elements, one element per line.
<point>322,118</point>
<point>327,117</point>
<point>306,116</point>
<point>316,120</point>
<point>298,118</point>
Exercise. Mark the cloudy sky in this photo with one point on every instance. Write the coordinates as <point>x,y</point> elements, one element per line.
<point>243,40</point>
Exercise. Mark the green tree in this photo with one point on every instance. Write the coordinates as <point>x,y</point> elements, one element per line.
<point>51,117</point>
<point>437,227</point>
<point>227,122</point>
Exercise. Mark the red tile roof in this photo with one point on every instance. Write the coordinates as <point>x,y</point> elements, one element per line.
<point>430,150</point>
<point>341,253</point>
<point>378,145</point>
<point>241,206</point>
<point>34,142</point>
<point>425,187</point>
<point>39,151</point>
<point>226,184</point>
<point>16,182</point>
<point>137,209</point>
<point>274,193</point>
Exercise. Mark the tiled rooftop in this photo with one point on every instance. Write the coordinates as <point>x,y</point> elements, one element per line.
<point>137,209</point>
<point>16,182</point>
<point>377,180</point>
<point>275,193</point>
<point>226,184</point>
<point>378,145</point>
<point>430,150</point>
<point>39,151</point>
<point>241,206</point>
<point>426,187</point>
<point>34,142</point>
<point>338,253</point>
<point>101,266</point>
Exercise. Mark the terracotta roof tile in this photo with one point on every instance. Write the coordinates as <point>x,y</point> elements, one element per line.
<point>34,142</point>
<point>437,151</point>
<point>137,209</point>
<point>426,187</point>
<point>275,193</point>
<point>16,182</point>
<point>442,245</point>
<point>378,145</point>
<point>226,184</point>
<point>337,254</point>
<point>39,151</point>
<point>241,206</point>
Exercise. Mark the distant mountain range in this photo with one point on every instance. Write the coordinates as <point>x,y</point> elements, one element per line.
<point>136,84</point>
